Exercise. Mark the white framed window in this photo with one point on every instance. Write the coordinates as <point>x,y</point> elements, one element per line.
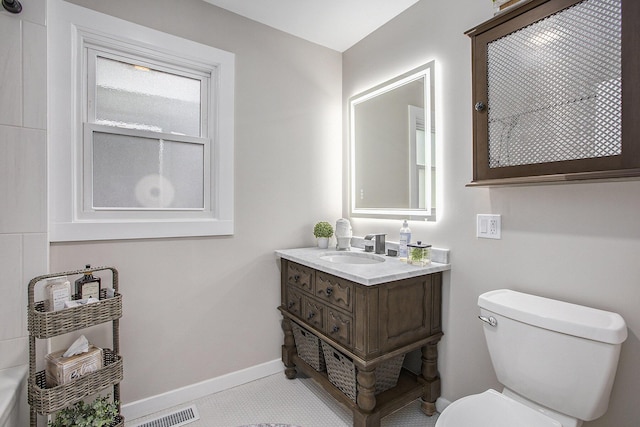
<point>140,135</point>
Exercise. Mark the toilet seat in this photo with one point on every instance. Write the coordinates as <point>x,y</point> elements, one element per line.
<point>492,409</point>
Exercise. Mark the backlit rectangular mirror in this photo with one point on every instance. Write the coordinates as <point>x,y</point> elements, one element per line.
<point>393,147</point>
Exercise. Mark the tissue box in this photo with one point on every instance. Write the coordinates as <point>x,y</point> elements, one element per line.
<point>61,370</point>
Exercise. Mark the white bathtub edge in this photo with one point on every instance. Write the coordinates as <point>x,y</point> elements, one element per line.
<point>13,396</point>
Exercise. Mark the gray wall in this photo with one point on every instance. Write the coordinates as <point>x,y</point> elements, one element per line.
<point>199,308</point>
<point>575,242</point>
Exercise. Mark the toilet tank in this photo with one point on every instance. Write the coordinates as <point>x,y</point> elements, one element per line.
<point>560,355</point>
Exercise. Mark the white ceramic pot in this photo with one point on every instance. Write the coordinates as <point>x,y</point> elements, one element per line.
<point>323,242</point>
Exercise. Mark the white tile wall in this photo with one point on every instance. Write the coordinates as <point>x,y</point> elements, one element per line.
<point>35,255</point>
<point>34,68</point>
<point>10,71</point>
<point>22,257</point>
<point>23,179</point>
<point>10,286</point>
<point>23,171</point>
<point>32,11</point>
<point>14,352</point>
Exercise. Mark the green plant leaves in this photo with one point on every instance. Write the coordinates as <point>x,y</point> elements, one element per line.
<point>100,413</point>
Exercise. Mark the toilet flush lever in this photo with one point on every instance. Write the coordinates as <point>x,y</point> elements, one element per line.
<point>489,320</point>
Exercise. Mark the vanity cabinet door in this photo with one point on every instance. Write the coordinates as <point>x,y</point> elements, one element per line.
<point>409,311</point>
<point>335,291</point>
<point>300,277</point>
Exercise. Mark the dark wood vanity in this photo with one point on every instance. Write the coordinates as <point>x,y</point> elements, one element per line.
<point>370,324</point>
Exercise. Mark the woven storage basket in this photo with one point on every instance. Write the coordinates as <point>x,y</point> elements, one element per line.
<point>308,347</point>
<point>343,373</point>
<point>46,324</point>
<point>46,400</point>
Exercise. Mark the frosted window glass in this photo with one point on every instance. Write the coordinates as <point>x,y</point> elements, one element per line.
<point>141,98</point>
<point>135,172</point>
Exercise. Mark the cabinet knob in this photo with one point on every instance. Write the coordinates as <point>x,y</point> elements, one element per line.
<point>310,316</point>
<point>296,278</point>
<point>329,291</point>
<point>335,329</point>
<point>291,304</point>
<point>480,106</point>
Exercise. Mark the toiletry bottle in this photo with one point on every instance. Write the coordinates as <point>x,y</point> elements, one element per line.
<point>58,291</point>
<point>88,286</point>
<point>405,239</point>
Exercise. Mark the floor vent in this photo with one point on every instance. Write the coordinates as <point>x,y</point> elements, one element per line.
<point>174,419</point>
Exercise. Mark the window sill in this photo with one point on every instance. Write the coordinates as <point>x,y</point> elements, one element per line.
<point>85,231</point>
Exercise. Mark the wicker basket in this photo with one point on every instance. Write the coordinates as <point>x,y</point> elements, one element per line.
<point>46,324</point>
<point>308,347</point>
<point>47,400</point>
<point>343,373</point>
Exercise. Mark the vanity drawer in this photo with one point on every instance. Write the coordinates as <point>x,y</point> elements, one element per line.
<point>334,291</point>
<point>314,313</point>
<point>300,277</point>
<point>340,327</point>
<point>294,301</point>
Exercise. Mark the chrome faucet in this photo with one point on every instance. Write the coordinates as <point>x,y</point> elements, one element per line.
<point>379,242</point>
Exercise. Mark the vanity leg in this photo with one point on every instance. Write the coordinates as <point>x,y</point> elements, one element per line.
<point>430,378</point>
<point>366,399</point>
<point>288,349</point>
<point>366,389</point>
<point>361,419</point>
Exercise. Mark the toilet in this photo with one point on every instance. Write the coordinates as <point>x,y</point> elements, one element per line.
<point>556,360</point>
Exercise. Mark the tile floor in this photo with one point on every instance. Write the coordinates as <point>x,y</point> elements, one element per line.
<point>274,399</point>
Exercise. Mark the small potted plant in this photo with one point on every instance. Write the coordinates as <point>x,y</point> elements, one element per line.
<point>323,231</point>
<point>419,254</point>
<point>100,413</point>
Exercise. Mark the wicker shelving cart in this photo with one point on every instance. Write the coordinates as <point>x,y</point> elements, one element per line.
<point>43,324</point>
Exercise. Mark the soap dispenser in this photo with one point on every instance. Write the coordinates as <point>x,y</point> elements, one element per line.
<point>405,239</point>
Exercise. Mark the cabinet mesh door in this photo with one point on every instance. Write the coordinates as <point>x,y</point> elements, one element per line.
<point>554,88</point>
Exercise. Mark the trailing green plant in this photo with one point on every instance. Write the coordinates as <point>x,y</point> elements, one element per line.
<point>323,229</point>
<point>100,413</point>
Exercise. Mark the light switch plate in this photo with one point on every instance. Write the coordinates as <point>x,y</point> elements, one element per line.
<point>488,226</point>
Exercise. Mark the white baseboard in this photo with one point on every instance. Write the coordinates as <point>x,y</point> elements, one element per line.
<point>150,405</point>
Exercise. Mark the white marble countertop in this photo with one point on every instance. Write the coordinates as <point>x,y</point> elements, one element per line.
<point>366,274</point>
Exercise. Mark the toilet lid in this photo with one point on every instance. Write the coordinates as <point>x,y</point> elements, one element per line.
<point>492,409</point>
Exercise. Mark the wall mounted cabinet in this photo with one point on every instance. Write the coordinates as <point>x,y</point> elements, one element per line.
<point>556,92</point>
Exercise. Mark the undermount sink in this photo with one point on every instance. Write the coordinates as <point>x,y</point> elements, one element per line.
<point>351,258</point>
